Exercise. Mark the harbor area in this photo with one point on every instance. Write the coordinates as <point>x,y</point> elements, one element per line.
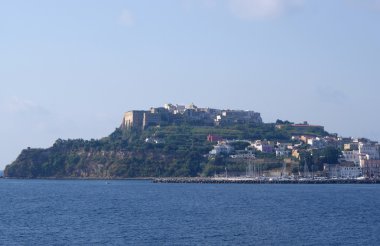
<point>243,180</point>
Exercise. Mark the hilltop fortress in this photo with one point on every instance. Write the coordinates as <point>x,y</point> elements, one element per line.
<point>176,114</point>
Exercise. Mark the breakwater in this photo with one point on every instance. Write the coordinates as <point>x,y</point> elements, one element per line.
<point>264,181</point>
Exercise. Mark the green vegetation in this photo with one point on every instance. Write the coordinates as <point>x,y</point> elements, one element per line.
<point>181,151</point>
<point>316,158</point>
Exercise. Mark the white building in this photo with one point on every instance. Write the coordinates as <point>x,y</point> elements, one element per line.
<point>282,150</point>
<point>263,146</point>
<point>371,168</point>
<point>282,153</point>
<point>342,171</point>
<point>316,142</point>
<point>350,172</point>
<point>221,149</point>
<point>370,149</point>
<point>351,156</point>
<point>177,109</point>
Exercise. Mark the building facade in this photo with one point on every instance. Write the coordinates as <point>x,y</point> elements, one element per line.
<point>351,156</point>
<point>139,119</point>
<point>175,114</point>
<point>371,168</point>
<point>346,171</point>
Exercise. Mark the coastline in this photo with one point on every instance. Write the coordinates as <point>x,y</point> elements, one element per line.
<point>264,181</point>
<point>205,180</point>
<point>81,178</point>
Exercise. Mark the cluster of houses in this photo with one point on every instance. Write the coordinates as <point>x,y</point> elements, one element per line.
<point>359,157</point>
<point>363,153</point>
<point>264,146</point>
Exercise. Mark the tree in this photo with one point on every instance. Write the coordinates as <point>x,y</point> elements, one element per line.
<point>331,155</point>
<point>240,145</point>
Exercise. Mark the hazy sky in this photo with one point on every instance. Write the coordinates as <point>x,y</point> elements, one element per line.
<point>71,68</point>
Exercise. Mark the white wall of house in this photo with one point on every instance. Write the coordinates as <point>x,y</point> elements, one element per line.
<point>351,156</point>
<point>221,149</point>
<point>350,172</point>
<point>371,150</point>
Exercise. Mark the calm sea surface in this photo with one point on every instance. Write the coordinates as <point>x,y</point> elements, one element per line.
<point>53,212</point>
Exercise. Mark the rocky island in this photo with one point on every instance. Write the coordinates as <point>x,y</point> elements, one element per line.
<point>188,141</point>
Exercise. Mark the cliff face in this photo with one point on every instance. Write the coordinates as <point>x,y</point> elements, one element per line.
<point>39,163</point>
<point>122,154</point>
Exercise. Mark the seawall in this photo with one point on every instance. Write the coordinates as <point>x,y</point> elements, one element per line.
<point>264,181</point>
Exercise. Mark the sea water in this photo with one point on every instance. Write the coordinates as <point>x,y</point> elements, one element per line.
<point>85,212</point>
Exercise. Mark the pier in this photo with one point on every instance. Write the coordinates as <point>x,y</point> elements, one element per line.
<point>198,180</point>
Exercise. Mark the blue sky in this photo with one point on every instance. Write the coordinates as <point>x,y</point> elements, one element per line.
<point>70,69</point>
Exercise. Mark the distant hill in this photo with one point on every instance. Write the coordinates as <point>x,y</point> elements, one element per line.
<point>1,173</point>
<point>171,150</point>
